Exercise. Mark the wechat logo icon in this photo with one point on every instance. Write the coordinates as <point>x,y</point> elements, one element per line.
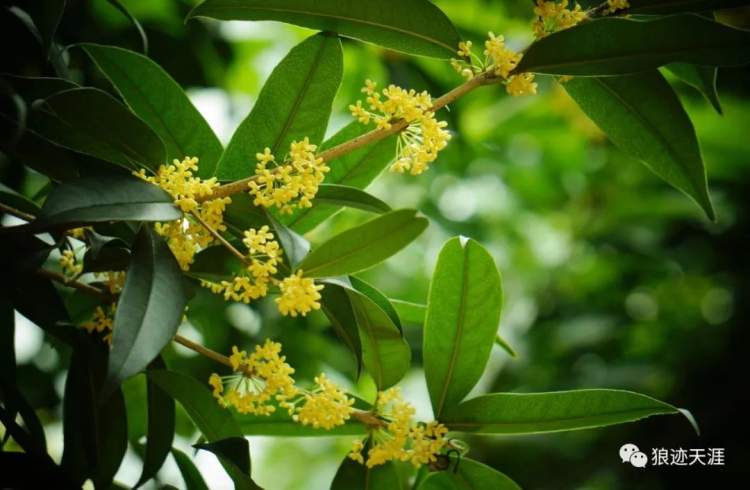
<point>629,453</point>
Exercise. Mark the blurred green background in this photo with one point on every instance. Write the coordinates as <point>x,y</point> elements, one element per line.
<point>612,278</point>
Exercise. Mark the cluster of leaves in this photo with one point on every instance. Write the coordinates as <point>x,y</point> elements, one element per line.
<point>88,141</point>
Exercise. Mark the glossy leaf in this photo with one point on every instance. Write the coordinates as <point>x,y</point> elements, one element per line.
<point>295,103</point>
<point>642,115</point>
<point>157,99</point>
<point>161,426</point>
<point>350,197</point>
<point>356,169</point>
<point>352,475</point>
<point>468,475</point>
<point>150,307</point>
<point>378,298</point>
<point>615,46</point>
<point>337,307</point>
<point>385,353</point>
<point>102,199</point>
<point>363,246</point>
<point>522,413</point>
<point>294,245</point>
<point>414,27</point>
<point>190,474</point>
<point>463,315</point>
<point>235,450</point>
<point>702,78</point>
<point>73,119</point>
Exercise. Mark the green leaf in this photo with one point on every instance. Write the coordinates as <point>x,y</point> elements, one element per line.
<point>241,214</point>
<point>385,353</point>
<point>214,422</point>
<point>351,197</point>
<point>280,424</point>
<point>149,310</point>
<point>161,426</point>
<point>614,46</point>
<point>295,246</point>
<point>415,27</point>
<point>337,307</point>
<point>410,312</point>
<point>102,199</point>
<point>702,78</point>
<point>378,298</point>
<point>531,413</point>
<point>468,475</point>
<point>649,7</point>
<point>294,103</point>
<point>365,245</point>
<point>235,450</point>
<point>642,115</point>
<point>215,264</point>
<point>92,122</point>
<point>356,169</point>
<point>124,11</point>
<point>354,475</point>
<point>11,198</point>
<point>190,474</point>
<point>463,315</point>
<point>157,99</point>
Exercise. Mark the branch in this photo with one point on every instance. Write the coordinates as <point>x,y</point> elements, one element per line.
<point>16,212</point>
<point>83,287</point>
<point>220,238</point>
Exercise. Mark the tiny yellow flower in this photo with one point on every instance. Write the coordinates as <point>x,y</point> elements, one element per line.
<point>299,295</point>
<point>554,16</point>
<point>521,84</point>
<point>70,266</point>
<point>102,321</point>
<point>502,59</point>
<point>615,5</point>
<point>326,407</point>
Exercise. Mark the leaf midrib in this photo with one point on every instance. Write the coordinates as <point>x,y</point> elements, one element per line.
<point>646,411</point>
<point>338,17</point>
<point>458,335</point>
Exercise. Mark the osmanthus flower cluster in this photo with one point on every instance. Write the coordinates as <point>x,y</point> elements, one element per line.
<point>421,141</point>
<point>555,16</point>
<point>102,321</point>
<point>291,183</point>
<point>400,438</point>
<point>616,5</point>
<point>498,60</point>
<point>185,236</point>
<point>262,381</point>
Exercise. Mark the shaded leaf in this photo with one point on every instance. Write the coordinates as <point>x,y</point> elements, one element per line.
<point>642,115</point>
<point>468,475</point>
<point>295,246</point>
<point>463,314</point>
<point>363,246</point>
<point>702,78</point>
<point>190,474</point>
<point>149,310</point>
<point>378,298</point>
<point>295,103</point>
<point>414,27</point>
<point>155,97</point>
<point>650,7</point>
<point>234,449</point>
<point>615,46</point>
<point>410,312</point>
<point>351,197</point>
<point>352,475</point>
<point>337,307</point>
<point>530,413</point>
<point>13,199</point>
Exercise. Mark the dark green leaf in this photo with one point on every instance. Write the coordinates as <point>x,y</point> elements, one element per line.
<point>295,246</point>
<point>33,88</point>
<point>614,46</point>
<point>351,197</point>
<point>385,353</point>
<point>294,103</point>
<point>101,199</point>
<point>124,11</point>
<point>46,16</point>
<point>15,200</point>
<point>648,7</point>
<point>703,78</point>
<point>149,310</point>
<point>530,413</point>
<point>378,298</point>
<point>241,214</point>
<point>351,475</point>
<point>356,169</point>
<point>365,245</point>
<point>190,474</point>
<point>7,341</point>
<point>468,475</point>
<point>463,315</point>
<point>91,121</point>
<point>161,426</point>
<point>414,27</point>
<point>215,264</point>
<point>234,449</point>
<point>337,307</point>
<point>642,115</point>
<point>154,96</point>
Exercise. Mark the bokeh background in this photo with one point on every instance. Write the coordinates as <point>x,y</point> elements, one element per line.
<point>612,278</point>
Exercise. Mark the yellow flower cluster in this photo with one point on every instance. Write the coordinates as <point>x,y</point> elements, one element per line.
<point>401,439</point>
<point>103,321</point>
<point>554,16</point>
<point>503,61</point>
<point>264,380</point>
<point>184,236</point>
<point>114,280</point>
<point>264,254</point>
<point>299,295</point>
<point>70,266</point>
<point>326,407</point>
<point>423,138</point>
<point>615,5</point>
<point>292,183</point>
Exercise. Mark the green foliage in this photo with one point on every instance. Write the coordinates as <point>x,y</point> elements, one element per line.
<point>463,315</point>
<point>414,27</point>
<point>190,474</point>
<point>703,78</point>
<point>161,426</point>
<point>365,245</point>
<point>295,103</point>
<point>614,46</point>
<point>354,475</point>
<point>642,115</point>
<point>157,99</point>
<point>468,474</point>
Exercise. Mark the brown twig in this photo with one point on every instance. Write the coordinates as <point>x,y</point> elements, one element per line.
<point>16,212</point>
<point>220,238</point>
<point>83,287</point>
